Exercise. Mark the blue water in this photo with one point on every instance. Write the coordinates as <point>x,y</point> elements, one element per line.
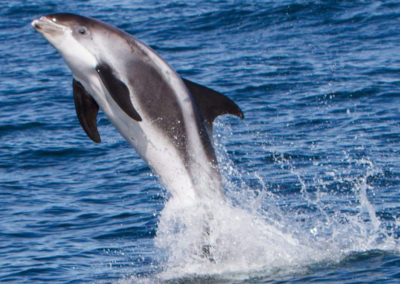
<point>312,175</point>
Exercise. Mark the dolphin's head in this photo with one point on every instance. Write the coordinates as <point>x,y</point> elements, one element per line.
<point>83,42</point>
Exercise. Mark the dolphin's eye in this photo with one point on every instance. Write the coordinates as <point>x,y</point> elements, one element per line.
<point>82,30</point>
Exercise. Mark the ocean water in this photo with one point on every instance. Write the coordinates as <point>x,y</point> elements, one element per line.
<point>311,175</point>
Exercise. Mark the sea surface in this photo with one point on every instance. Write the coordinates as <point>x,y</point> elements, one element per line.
<point>311,175</point>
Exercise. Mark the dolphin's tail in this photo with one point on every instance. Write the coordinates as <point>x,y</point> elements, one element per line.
<point>208,245</point>
<point>207,248</point>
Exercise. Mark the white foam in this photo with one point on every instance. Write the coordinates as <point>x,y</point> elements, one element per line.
<point>257,236</point>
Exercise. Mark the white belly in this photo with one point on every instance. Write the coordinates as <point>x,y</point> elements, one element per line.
<point>187,183</point>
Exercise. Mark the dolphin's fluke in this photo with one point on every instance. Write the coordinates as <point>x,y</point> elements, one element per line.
<point>211,103</point>
<point>118,90</point>
<point>86,109</point>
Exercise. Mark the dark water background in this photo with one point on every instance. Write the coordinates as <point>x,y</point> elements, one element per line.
<point>317,157</point>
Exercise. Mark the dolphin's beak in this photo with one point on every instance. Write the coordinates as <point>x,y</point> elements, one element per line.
<point>44,24</point>
<point>36,24</point>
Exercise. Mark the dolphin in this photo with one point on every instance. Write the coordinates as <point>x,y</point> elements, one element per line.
<point>166,118</point>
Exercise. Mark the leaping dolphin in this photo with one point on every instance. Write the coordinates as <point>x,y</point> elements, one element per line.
<point>166,118</point>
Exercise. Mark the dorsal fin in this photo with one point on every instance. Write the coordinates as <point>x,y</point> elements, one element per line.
<point>86,109</point>
<point>118,90</point>
<point>211,103</point>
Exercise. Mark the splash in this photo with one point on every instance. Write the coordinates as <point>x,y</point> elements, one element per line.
<point>258,232</point>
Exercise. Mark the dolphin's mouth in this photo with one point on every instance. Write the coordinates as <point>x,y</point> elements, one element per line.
<point>44,24</point>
